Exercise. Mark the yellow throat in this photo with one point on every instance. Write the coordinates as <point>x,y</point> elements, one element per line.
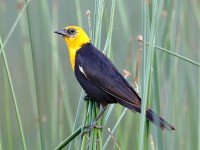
<point>75,39</point>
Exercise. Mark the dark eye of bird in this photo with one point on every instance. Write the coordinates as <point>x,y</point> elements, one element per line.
<point>71,31</point>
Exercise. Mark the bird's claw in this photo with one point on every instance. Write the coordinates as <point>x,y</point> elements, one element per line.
<point>89,128</point>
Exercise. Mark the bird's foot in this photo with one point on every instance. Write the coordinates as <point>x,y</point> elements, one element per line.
<point>89,128</point>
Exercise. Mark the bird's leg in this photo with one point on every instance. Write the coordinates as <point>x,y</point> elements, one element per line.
<point>90,127</point>
<point>93,125</point>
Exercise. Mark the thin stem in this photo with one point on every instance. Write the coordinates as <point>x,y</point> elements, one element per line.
<point>15,24</point>
<point>115,127</point>
<point>177,55</point>
<point>13,95</point>
<point>69,139</point>
<point>37,89</point>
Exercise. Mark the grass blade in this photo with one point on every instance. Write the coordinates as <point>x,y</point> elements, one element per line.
<point>178,56</point>
<point>13,96</point>
<point>37,87</point>
<point>69,139</point>
<point>15,24</point>
<point>114,128</point>
<point>146,67</point>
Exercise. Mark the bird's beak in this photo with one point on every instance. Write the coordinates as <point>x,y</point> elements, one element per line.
<point>61,32</point>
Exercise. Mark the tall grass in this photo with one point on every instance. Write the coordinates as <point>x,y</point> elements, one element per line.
<point>41,103</point>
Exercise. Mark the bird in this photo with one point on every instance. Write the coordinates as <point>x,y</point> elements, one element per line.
<point>100,79</point>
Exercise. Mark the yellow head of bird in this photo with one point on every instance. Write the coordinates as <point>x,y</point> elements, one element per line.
<point>74,36</point>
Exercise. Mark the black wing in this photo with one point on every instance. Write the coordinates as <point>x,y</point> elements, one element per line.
<point>99,70</point>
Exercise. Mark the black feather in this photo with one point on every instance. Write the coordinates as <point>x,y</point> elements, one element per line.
<point>104,83</point>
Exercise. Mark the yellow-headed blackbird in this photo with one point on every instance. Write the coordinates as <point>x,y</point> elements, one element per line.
<point>100,79</point>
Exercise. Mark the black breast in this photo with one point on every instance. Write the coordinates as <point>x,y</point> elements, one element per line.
<point>88,54</point>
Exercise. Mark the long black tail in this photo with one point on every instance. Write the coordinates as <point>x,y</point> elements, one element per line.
<point>157,120</point>
<point>150,115</point>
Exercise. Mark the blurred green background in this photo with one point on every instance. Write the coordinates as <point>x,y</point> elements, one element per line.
<point>45,95</point>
